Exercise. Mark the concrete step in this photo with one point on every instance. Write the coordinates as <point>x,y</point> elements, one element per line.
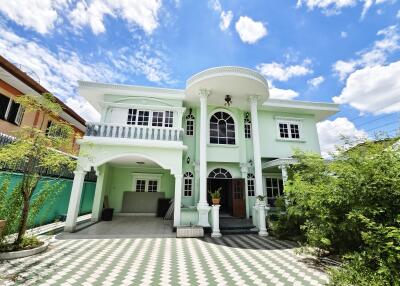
<point>238,231</point>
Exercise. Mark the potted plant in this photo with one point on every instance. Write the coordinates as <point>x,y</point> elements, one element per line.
<point>215,196</point>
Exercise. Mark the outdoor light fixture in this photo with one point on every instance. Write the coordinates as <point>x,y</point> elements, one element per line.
<point>188,160</point>
<point>140,163</point>
<point>251,162</point>
<point>228,100</point>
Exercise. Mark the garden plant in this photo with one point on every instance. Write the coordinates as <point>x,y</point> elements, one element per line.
<point>348,207</point>
<point>34,154</point>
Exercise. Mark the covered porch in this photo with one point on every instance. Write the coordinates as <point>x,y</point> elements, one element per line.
<point>132,183</point>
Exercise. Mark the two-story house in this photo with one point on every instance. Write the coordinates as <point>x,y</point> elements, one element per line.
<point>14,82</point>
<point>221,131</point>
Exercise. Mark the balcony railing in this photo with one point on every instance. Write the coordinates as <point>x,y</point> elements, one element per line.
<point>112,130</point>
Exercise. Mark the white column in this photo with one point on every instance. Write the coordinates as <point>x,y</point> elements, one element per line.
<point>74,201</point>
<point>262,229</point>
<point>284,173</point>
<point>243,170</point>
<point>177,199</point>
<point>256,146</point>
<point>215,219</point>
<point>98,194</point>
<point>202,207</point>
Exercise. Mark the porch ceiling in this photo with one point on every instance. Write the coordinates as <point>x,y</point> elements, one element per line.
<point>134,161</point>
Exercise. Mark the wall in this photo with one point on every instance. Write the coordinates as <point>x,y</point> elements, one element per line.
<point>57,205</point>
<point>120,180</point>
<point>273,147</point>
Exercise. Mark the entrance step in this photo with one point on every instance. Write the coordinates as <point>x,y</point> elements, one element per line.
<point>236,226</point>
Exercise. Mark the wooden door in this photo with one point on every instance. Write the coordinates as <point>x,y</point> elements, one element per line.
<point>238,198</point>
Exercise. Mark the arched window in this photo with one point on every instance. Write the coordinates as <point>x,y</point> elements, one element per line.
<point>222,128</point>
<point>250,185</point>
<point>247,126</point>
<point>220,173</point>
<point>190,124</point>
<point>187,184</point>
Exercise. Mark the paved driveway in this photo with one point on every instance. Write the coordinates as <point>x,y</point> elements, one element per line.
<point>231,260</point>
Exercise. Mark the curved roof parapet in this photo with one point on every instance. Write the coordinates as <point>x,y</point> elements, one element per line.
<point>238,82</point>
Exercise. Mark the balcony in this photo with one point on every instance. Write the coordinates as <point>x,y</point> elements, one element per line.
<point>123,131</point>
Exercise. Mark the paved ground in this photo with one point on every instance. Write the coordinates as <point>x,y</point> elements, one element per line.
<point>126,227</point>
<point>231,260</point>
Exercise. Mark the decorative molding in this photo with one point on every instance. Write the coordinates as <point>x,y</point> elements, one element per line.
<point>279,162</point>
<point>226,70</point>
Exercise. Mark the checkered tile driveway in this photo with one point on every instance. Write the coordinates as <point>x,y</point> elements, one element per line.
<point>230,260</point>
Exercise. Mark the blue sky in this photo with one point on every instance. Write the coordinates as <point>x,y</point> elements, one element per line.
<point>347,51</point>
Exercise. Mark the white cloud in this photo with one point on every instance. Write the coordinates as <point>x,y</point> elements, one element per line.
<point>39,15</point>
<point>278,93</point>
<point>83,108</point>
<point>330,134</point>
<point>343,34</point>
<point>398,14</point>
<point>316,81</point>
<point>373,89</point>
<point>226,19</point>
<point>280,72</point>
<point>135,12</point>
<point>330,7</point>
<point>57,71</point>
<point>376,55</point>
<point>250,31</point>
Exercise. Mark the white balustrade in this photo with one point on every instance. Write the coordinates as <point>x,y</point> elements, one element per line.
<point>133,131</point>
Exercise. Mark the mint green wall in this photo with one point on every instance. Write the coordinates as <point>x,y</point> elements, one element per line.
<point>57,205</point>
<point>272,147</point>
<point>120,180</point>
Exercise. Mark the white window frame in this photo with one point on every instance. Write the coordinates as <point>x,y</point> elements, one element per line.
<point>150,121</point>
<point>190,118</point>
<point>289,121</point>
<point>272,176</point>
<point>235,123</point>
<point>251,178</point>
<point>146,178</point>
<point>188,178</point>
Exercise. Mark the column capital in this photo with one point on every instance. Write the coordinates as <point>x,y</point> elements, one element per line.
<point>253,98</point>
<point>80,172</point>
<point>204,93</point>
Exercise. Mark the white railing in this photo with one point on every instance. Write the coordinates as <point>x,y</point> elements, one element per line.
<point>113,130</point>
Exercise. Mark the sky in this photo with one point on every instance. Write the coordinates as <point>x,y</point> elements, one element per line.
<point>341,51</point>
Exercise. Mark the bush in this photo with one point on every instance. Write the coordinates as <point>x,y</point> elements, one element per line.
<point>349,206</point>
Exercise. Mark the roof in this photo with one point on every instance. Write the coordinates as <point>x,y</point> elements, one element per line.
<point>35,86</point>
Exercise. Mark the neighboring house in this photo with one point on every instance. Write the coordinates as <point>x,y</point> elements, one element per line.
<point>14,83</point>
<point>221,131</point>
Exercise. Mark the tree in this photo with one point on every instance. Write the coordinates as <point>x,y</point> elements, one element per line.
<point>35,153</point>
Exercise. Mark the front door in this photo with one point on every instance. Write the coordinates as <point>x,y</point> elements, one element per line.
<point>238,197</point>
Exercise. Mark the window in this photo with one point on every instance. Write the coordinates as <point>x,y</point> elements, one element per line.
<point>158,117</point>
<point>150,183</point>
<point>10,110</point>
<point>220,173</point>
<point>49,124</point>
<point>143,117</point>
<point>222,129</point>
<point>274,188</point>
<point>187,184</point>
<point>190,125</point>
<point>247,126</point>
<point>289,129</point>
<point>140,186</point>
<point>152,186</point>
<point>250,185</point>
<point>146,117</point>
<point>169,115</point>
<point>132,116</point>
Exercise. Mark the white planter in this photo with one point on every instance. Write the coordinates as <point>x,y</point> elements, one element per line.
<point>23,253</point>
<point>189,231</point>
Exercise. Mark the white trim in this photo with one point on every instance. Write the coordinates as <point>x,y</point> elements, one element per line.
<point>129,142</point>
<point>289,121</point>
<point>146,177</point>
<point>235,123</point>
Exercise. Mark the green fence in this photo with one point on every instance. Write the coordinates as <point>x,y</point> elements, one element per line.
<point>56,206</point>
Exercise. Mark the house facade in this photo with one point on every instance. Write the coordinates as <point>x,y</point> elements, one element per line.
<point>14,82</point>
<point>221,132</point>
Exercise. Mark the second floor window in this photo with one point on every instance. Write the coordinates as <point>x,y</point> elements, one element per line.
<point>222,129</point>
<point>190,125</point>
<point>289,130</point>
<point>247,126</point>
<point>153,118</point>
<point>10,110</point>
